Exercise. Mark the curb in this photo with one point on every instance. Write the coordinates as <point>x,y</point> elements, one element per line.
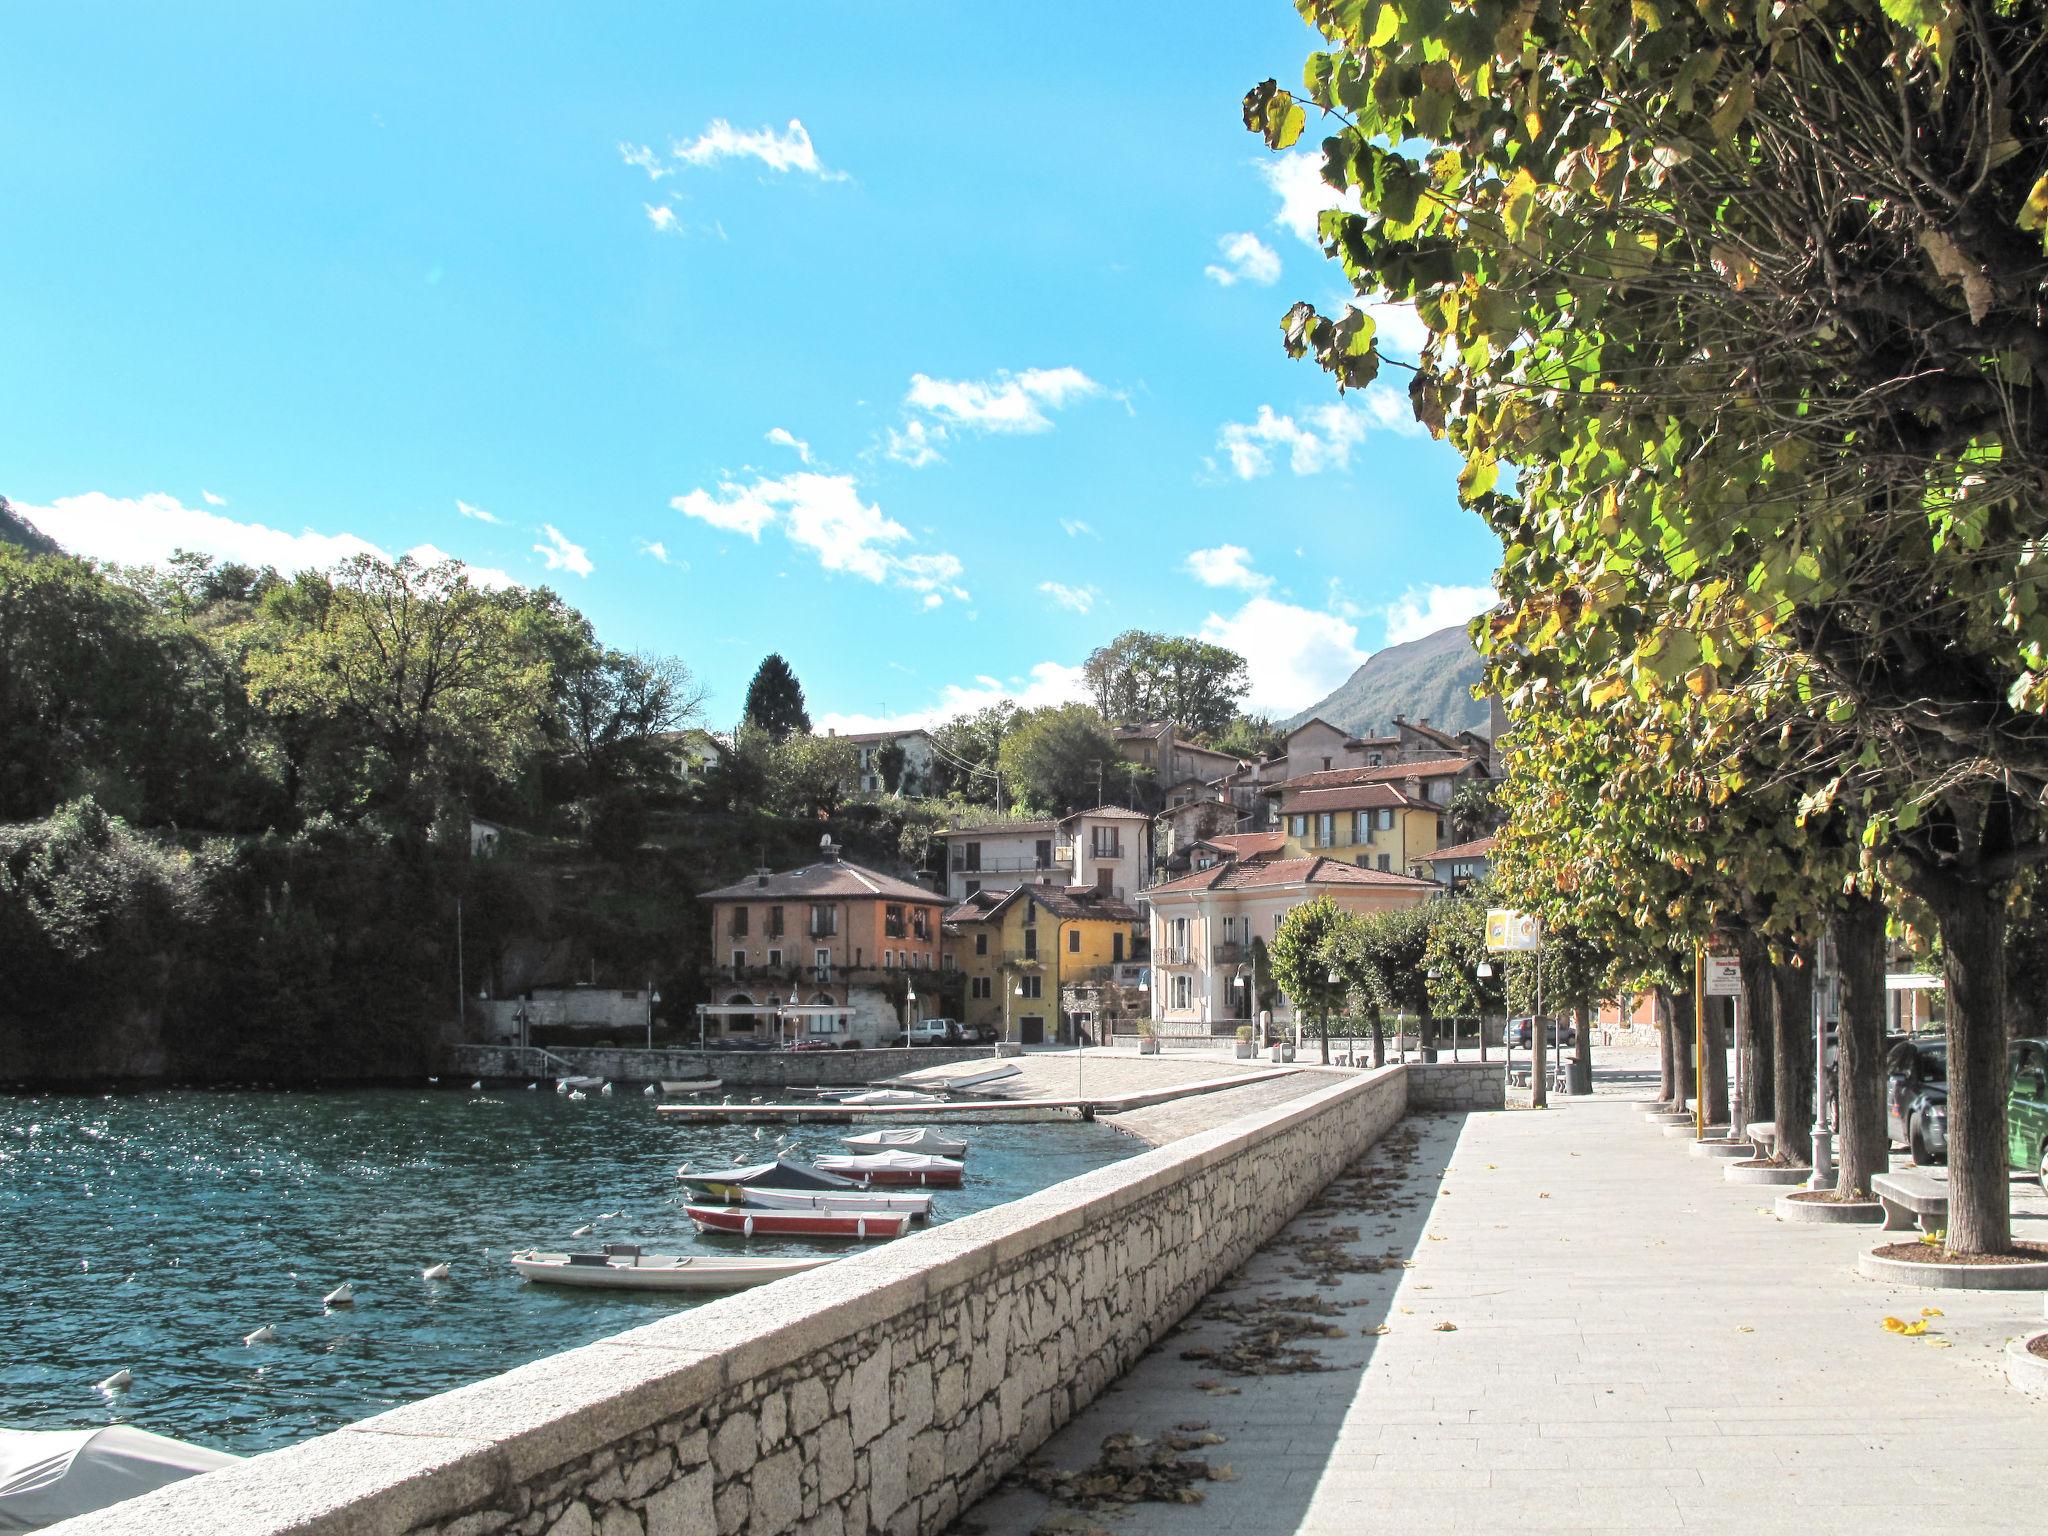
<point>1668,1116</point>
<point>1740,1149</point>
<point>2023,1368</point>
<point>1955,1277</point>
<point>1827,1213</point>
<point>1687,1129</point>
<point>1779,1176</point>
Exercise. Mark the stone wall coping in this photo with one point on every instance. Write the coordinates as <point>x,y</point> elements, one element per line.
<point>444,1453</point>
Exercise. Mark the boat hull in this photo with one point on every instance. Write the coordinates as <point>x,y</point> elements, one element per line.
<point>823,1200</point>
<point>859,1226</point>
<point>656,1271</point>
<point>911,1168</point>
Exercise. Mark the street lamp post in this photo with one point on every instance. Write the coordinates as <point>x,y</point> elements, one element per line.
<point>1484,973</point>
<point>653,997</point>
<point>909,1010</point>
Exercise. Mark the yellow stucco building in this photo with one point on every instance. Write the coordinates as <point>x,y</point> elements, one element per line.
<point>1016,949</point>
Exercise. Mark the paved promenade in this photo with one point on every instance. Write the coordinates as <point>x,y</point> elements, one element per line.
<point>1584,1329</point>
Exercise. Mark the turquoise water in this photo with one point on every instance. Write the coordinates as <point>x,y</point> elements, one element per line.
<point>151,1231</point>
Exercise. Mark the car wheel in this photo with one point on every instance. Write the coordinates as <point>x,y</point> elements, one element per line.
<point>1920,1158</point>
<point>2041,1169</point>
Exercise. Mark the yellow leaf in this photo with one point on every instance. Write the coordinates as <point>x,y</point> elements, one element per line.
<point>1908,1330</point>
<point>1383,1328</point>
<point>1446,1327</point>
<point>1744,1328</point>
<point>1932,1312</point>
<point>1937,1343</point>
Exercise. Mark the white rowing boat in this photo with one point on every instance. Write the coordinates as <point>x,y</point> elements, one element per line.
<point>622,1267</point>
<point>919,1139</point>
<point>895,1168</point>
<point>919,1206</point>
<point>889,1096</point>
<point>684,1087</point>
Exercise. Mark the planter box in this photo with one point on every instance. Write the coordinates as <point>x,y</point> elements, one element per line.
<point>1247,1050</point>
<point>1148,1047</point>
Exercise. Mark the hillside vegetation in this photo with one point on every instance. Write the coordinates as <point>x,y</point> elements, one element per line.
<point>1431,678</point>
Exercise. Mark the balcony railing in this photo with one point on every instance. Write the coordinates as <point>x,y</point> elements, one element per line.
<point>1229,952</point>
<point>1105,850</point>
<point>1175,955</point>
<point>960,866</point>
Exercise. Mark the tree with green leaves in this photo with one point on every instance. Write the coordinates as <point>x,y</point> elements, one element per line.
<point>1750,298</point>
<point>1301,964</point>
<point>967,753</point>
<point>1062,759</point>
<point>775,700</point>
<point>1194,684</point>
<point>1250,737</point>
<point>812,775</point>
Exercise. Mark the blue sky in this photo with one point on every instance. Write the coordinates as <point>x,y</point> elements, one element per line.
<point>928,345</point>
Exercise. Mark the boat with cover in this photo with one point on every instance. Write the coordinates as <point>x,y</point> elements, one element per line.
<point>623,1267</point>
<point>578,1083</point>
<point>783,1173</point>
<point>745,1222</point>
<point>896,1168</point>
<point>921,1139</point>
<point>919,1206</point>
<point>889,1096</point>
<point>48,1475</point>
<point>683,1087</point>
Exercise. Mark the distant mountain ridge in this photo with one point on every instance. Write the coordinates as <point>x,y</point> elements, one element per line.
<point>15,529</point>
<point>1431,678</point>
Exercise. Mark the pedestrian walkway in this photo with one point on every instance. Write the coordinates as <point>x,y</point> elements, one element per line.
<point>1554,1321</point>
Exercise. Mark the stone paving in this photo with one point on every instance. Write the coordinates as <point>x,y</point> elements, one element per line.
<point>1585,1329</point>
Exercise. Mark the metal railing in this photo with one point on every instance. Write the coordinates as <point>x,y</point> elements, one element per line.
<point>1229,952</point>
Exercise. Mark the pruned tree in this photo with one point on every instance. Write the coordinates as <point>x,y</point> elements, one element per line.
<point>775,700</point>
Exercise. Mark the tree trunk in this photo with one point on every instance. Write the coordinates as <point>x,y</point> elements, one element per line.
<point>1714,1088</point>
<point>1667,1049</point>
<point>1792,1061</point>
<point>1861,1147</point>
<point>1325,1033</point>
<point>1425,1028</point>
<point>1379,1040</point>
<point>1758,1102</point>
<point>1683,1020</point>
<point>1585,1034</point>
<point>1979,1196</point>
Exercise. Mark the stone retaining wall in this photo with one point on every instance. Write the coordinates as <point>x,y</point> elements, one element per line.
<point>1456,1085</point>
<point>743,1069</point>
<point>884,1392</point>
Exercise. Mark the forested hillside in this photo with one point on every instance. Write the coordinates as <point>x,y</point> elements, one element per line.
<point>1431,678</point>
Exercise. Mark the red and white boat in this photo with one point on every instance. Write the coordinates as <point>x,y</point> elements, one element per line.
<point>908,1204</point>
<point>896,1168</point>
<point>746,1221</point>
<point>921,1139</point>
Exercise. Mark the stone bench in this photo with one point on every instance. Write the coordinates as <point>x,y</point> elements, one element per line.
<point>1909,1199</point>
<point>1763,1135</point>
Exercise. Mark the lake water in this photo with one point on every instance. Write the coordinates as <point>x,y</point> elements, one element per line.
<point>151,1231</point>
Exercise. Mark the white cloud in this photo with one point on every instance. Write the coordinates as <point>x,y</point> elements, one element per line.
<point>560,554</point>
<point>1075,599</point>
<point>913,445</point>
<point>1322,440</point>
<point>825,515</point>
<point>212,500</point>
<point>784,438</point>
<point>1227,565</point>
<point>789,150</point>
<point>1008,402</point>
<point>1400,330</point>
<point>1074,528</point>
<point>1246,258</point>
<point>931,601</point>
<point>147,530</point>
<point>478,513</point>
<point>1295,655</point>
<point>1424,610</point>
<point>1297,180</point>
<point>654,549</point>
<point>1048,682</point>
<point>647,159</point>
<point>663,218</point>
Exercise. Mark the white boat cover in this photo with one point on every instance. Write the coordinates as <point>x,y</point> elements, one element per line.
<point>921,1139</point>
<point>52,1474</point>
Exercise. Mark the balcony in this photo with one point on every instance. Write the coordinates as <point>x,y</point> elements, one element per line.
<point>1105,850</point>
<point>1172,955</point>
<point>1230,952</point>
<point>1025,866</point>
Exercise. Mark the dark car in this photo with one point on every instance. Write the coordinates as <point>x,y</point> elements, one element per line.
<point>1522,1032</point>
<point>2026,1109</point>
<point>1916,1098</point>
<point>743,1043</point>
<point>1831,1075</point>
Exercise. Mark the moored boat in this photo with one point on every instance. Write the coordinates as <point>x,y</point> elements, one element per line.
<point>623,1267</point>
<point>684,1087</point>
<point>578,1083</point>
<point>889,1096</point>
<point>919,1206</point>
<point>783,1173</point>
<point>896,1168</point>
<point>861,1225</point>
<point>920,1139</point>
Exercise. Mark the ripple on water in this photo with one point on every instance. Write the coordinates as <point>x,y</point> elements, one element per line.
<point>154,1231</point>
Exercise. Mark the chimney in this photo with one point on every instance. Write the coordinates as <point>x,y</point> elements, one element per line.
<point>833,730</point>
<point>827,850</point>
<point>761,876</point>
<point>1423,722</point>
<point>1400,719</point>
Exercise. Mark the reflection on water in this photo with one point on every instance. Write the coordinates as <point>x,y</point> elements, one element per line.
<point>153,1231</point>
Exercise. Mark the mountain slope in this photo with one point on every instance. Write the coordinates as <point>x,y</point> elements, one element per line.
<point>14,529</point>
<point>1430,678</point>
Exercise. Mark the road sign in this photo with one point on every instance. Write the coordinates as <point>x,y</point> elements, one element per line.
<point>1508,930</point>
<point>1724,975</point>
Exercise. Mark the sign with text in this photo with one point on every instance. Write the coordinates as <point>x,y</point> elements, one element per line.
<point>1724,976</point>
<point>1509,931</point>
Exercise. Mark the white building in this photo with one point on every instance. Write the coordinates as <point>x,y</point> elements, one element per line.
<point>1204,924</point>
<point>1108,849</point>
<point>916,747</point>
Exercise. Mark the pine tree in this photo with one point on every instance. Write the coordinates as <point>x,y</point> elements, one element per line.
<point>775,700</point>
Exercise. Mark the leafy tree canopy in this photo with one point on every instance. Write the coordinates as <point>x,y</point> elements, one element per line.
<point>1144,676</point>
<point>1062,759</point>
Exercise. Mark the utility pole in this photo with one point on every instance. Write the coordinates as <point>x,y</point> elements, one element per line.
<point>461,985</point>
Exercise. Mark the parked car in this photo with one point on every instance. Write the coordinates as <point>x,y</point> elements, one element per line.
<point>1832,1078</point>
<point>1916,1085</point>
<point>980,1034</point>
<point>2026,1109</point>
<point>1522,1032</point>
<point>930,1032</point>
<point>744,1043</point>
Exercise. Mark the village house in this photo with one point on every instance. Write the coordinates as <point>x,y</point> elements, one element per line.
<point>1463,864</point>
<point>1375,825</point>
<point>1017,949</point>
<point>871,774</point>
<point>1209,927</point>
<point>1165,760</point>
<point>830,950</point>
<point>1108,848</point>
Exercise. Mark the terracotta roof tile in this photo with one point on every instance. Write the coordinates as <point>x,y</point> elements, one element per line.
<point>833,878</point>
<point>1478,848</point>
<point>1265,873</point>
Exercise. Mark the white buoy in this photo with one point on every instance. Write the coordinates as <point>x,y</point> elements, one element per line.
<point>434,1272</point>
<point>120,1381</point>
<point>759,1133</point>
<point>581,1232</point>
<point>609,1215</point>
<point>433,1080</point>
<point>343,1295</point>
<point>476,1086</point>
<point>648,1092</point>
<point>682,1170</point>
<point>577,1096</point>
<point>561,1087</point>
<point>264,1335</point>
<point>605,1091</point>
<point>530,1087</point>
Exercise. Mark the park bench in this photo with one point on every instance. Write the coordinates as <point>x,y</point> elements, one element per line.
<point>1763,1135</point>
<point>1908,1198</point>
